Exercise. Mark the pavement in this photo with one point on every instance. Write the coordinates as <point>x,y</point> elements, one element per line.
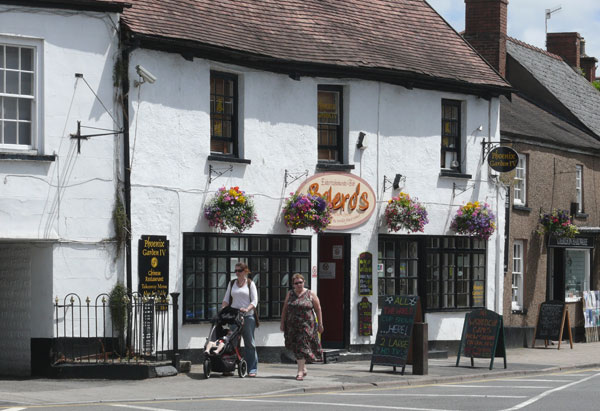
<point>280,378</point>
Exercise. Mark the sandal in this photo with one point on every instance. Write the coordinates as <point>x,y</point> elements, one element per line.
<point>305,373</point>
<point>299,377</point>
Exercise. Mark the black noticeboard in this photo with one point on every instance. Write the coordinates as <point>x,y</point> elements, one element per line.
<point>153,265</point>
<point>482,337</point>
<point>365,274</point>
<point>553,323</point>
<point>394,331</point>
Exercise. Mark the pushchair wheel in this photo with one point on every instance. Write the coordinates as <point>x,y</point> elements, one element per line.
<point>243,368</point>
<point>207,368</point>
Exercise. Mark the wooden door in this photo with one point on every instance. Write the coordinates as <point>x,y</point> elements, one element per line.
<point>331,288</point>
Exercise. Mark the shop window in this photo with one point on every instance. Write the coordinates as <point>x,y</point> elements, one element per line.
<point>209,262</point>
<point>399,260</point>
<point>223,113</point>
<point>577,273</point>
<point>517,275</point>
<point>579,187</point>
<point>451,135</point>
<point>17,97</point>
<point>330,124</point>
<point>520,182</point>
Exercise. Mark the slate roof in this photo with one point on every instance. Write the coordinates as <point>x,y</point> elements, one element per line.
<point>93,5</point>
<point>568,86</point>
<point>403,36</point>
<point>524,120</point>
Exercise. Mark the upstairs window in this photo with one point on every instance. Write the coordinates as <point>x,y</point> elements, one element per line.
<point>223,113</point>
<point>451,132</point>
<point>17,96</point>
<point>520,183</point>
<point>329,124</point>
<point>579,187</point>
<point>517,275</point>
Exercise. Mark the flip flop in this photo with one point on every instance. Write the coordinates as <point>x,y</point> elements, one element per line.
<point>299,377</point>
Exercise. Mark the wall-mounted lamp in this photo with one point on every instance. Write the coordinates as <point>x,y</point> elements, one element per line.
<point>396,183</point>
<point>145,75</point>
<point>361,143</point>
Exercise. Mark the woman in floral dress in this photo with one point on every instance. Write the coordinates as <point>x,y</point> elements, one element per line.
<point>298,324</point>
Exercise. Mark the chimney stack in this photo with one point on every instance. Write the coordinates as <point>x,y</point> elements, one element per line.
<point>485,29</point>
<point>566,45</point>
<point>587,63</point>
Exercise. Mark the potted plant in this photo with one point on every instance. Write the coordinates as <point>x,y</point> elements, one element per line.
<point>230,208</point>
<point>474,219</point>
<point>406,213</point>
<point>558,223</point>
<point>306,211</point>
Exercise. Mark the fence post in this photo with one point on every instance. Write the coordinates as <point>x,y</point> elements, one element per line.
<point>175,327</point>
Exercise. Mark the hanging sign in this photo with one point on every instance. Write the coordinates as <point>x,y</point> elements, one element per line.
<point>365,319</point>
<point>153,265</point>
<point>365,274</point>
<point>351,197</point>
<point>503,159</point>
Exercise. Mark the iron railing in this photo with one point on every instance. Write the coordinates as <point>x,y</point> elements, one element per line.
<point>85,331</point>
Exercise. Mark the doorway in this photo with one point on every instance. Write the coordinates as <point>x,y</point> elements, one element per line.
<point>334,288</point>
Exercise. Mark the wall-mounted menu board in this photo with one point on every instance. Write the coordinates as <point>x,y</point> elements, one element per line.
<point>365,274</point>
<point>553,323</point>
<point>394,331</point>
<point>482,337</point>
<point>365,323</point>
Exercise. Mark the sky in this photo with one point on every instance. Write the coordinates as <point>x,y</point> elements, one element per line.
<point>526,20</point>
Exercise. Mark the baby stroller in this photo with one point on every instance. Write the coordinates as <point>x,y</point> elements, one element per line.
<point>226,330</point>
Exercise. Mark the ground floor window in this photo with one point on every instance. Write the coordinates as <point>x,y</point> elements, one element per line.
<point>446,272</point>
<point>569,271</point>
<point>577,274</point>
<point>209,260</point>
<point>517,275</point>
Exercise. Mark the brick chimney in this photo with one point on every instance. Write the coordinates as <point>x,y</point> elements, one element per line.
<point>587,63</point>
<point>566,45</point>
<point>485,29</point>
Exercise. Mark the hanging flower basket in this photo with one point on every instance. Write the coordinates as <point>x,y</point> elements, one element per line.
<point>306,211</point>
<point>558,223</point>
<point>474,219</point>
<point>403,212</point>
<point>230,208</point>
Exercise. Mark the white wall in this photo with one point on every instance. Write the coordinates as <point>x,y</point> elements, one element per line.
<point>170,127</point>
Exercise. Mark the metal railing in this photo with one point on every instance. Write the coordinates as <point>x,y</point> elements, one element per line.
<point>86,332</point>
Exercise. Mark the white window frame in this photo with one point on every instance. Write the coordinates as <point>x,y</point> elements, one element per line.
<point>579,187</point>
<point>520,182</point>
<point>36,117</point>
<point>517,275</point>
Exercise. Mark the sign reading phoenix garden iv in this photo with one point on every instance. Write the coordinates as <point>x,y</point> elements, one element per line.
<point>351,197</point>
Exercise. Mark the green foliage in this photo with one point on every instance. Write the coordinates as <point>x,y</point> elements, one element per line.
<point>121,223</point>
<point>117,305</point>
<point>596,84</point>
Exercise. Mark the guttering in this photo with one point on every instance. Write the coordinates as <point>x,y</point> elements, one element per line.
<point>189,49</point>
<point>83,5</point>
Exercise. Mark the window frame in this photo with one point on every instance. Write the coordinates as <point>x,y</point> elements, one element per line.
<point>518,273</point>
<point>579,187</point>
<point>458,136</point>
<point>234,140</point>
<point>396,277</point>
<point>522,182</point>
<point>265,288</point>
<point>339,147</point>
<point>34,97</point>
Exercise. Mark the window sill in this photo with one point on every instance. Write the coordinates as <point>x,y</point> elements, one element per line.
<point>228,159</point>
<point>517,207</point>
<point>27,157</point>
<point>454,174</point>
<point>335,166</point>
<point>582,216</point>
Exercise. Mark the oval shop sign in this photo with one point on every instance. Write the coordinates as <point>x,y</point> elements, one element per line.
<point>352,198</point>
<point>503,159</point>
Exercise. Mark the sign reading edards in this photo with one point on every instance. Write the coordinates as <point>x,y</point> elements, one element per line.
<point>352,198</point>
<point>153,265</point>
<point>503,159</point>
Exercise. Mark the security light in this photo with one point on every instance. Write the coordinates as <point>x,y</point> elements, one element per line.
<point>146,76</point>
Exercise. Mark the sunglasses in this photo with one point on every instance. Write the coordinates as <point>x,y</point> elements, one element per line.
<point>239,270</point>
<point>298,282</point>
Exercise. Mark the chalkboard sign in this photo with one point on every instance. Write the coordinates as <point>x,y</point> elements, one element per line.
<point>365,274</point>
<point>365,323</point>
<point>482,337</point>
<point>394,331</point>
<point>553,321</point>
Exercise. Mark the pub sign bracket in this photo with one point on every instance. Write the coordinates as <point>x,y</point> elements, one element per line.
<point>292,177</point>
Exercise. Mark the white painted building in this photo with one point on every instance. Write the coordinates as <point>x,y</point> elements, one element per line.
<point>56,203</point>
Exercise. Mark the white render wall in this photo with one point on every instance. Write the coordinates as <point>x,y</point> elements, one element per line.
<point>170,173</point>
<point>68,201</point>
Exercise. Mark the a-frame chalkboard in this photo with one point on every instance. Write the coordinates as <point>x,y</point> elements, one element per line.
<point>553,323</point>
<point>482,337</point>
<point>394,331</point>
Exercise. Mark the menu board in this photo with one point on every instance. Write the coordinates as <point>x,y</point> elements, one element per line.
<point>365,322</point>
<point>394,331</point>
<point>553,321</point>
<point>365,274</point>
<point>482,336</point>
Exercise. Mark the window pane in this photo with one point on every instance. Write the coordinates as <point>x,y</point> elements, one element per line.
<point>10,132</point>
<point>10,108</point>
<point>27,84</point>
<point>1,57</point>
<point>27,59</point>
<point>1,81</point>
<point>24,109</point>
<point>25,133</point>
<point>12,58</point>
<point>12,82</point>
